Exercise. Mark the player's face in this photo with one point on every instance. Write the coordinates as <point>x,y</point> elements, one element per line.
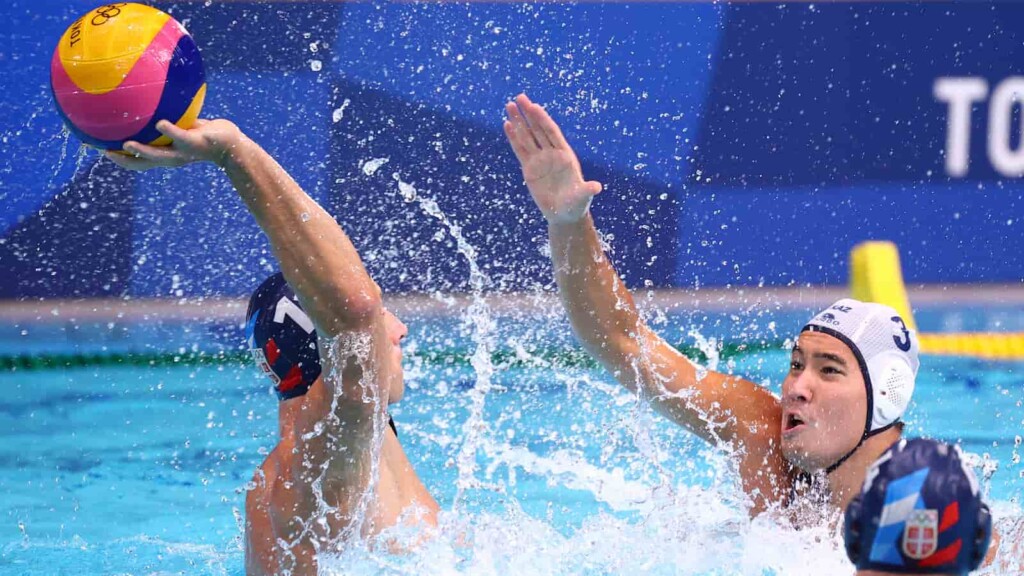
<point>824,402</point>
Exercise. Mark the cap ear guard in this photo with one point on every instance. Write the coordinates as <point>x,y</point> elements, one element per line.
<point>892,388</point>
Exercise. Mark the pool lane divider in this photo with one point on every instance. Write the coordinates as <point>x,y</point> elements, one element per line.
<point>541,357</point>
<point>877,276</point>
<point>982,346</point>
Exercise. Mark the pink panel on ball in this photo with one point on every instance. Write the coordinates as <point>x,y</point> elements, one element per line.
<point>125,110</point>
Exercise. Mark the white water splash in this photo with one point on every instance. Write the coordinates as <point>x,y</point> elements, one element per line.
<point>64,137</point>
<point>708,346</point>
<point>370,167</point>
<point>80,156</point>
<point>339,112</point>
<point>317,531</point>
<point>479,320</point>
<point>687,531</point>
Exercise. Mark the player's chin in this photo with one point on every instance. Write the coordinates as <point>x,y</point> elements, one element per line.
<point>792,451</point>
<point>802,456</point>
<point>397,390</point>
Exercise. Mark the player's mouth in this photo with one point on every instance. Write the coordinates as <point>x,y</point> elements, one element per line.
<point>792,423</point>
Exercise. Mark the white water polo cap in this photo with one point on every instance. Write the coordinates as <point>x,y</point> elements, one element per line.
<point>886,350</point>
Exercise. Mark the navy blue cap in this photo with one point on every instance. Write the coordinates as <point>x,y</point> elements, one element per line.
<point>920,511</point>
<point>282,338</point>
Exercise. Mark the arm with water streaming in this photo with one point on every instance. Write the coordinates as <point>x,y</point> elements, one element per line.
<point>325,271</point>
<point>605,319</point>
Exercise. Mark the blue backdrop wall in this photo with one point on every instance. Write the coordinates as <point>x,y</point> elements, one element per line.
<point>739,144</point>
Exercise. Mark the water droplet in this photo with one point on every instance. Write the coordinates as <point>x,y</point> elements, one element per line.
<point>370,167</point>
<point>339,113</point>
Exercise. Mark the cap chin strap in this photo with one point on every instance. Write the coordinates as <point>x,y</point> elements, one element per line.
<point>866,435</point>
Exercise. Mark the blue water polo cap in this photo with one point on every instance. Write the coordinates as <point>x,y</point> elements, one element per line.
<point>282,338</point>
<point>920,511</point>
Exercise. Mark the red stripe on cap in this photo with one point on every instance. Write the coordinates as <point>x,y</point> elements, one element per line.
<point>944,556</point>
<point>293,379</point>
<point>272,351</point>
<point>950,516</point>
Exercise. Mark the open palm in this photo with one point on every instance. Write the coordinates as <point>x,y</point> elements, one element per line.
<point>550,167</point>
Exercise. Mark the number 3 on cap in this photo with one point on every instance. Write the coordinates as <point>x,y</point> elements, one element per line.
<point>905,343</point>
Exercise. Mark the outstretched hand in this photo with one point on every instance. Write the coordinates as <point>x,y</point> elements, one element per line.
<point>550,167</point>
<point>205,141</point>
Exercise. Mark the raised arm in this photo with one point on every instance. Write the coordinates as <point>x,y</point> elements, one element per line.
<point>316,256</point>
<point>318,261</point>
<point>329,448</point>
<point>604,317</point>
<point>324,269</point>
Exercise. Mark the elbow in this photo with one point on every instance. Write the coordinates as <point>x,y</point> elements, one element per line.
<point>621,346</point>
<point>351,309</point>
<point>361,308</point>
<point>364,304</point>
<point>618,354</point>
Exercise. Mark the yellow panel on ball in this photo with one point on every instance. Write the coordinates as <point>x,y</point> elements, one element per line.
<point>102,47</point>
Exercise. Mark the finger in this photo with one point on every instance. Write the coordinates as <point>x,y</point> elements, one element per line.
<point>512,111</point>
<point>523,104</point>
<point>539,119</point>
<point>593,187</point>
<point>515,128</point>
<point>550,128</point>
<point>517,146</point>
<point>172,131</point>
<point>521,130</point>
<point>127,162</point>
<point>159,154</point>
<point>516,117</point>
<point>523,100</point>
<point>540,122</point>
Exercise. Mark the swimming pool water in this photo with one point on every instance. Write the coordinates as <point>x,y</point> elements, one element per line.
<point>142,470</point>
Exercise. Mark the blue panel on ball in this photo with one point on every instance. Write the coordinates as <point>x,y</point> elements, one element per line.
<point>185,76</point>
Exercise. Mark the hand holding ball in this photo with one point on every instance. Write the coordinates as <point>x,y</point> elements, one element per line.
<point>120,69</point>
